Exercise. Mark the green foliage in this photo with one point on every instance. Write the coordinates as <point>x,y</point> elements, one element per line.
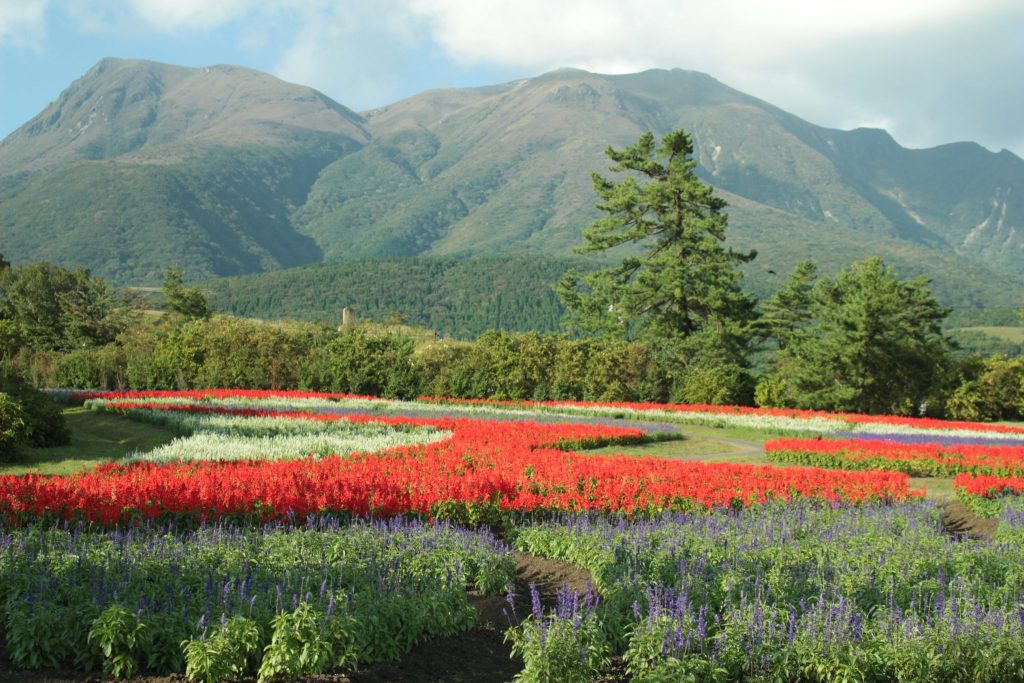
<point>186,301</point>
<point>102,367</point>
<point>559,649</point>
<point>874,345</point>
<point>28,417</point>
<point>459,298</point>
<point>683,294</point>
<point>299,646</point>
<point>357,362</point>
<point>13,427</point>
<point>49,307</point>
<point>240,353</point>
<point>988,341</point>
<point>686,279</point>
<point>324,595</point>
<point>989,389</point>
<point>797,592</point>
<point>228,653</point>
<point>116,633</point>
<point>542,367</point>
<point>790,309</point>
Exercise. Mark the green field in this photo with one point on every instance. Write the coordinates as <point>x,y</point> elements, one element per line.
<point>95,438</point>
<point>1014,335</point>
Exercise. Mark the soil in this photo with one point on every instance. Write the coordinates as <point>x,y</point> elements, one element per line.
<point>960,520</point>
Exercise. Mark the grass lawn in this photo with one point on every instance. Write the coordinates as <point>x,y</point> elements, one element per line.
<point>683,449</point>
<point>95,438</point>
<point>1014,335</point>
<point>939,488</point>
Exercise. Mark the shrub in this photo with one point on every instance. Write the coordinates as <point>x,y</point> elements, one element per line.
<point>13,429</point>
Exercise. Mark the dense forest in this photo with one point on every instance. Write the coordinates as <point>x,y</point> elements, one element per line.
<point>458,298</point>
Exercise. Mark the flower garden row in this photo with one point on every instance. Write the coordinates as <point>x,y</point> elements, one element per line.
<point>784,419</point>
<point>483,469</point>
<point>239,549</point>
<point>781,593</point>
<point>221,602</point>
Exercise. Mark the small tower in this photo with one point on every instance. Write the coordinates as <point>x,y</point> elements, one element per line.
<point>348,318</point>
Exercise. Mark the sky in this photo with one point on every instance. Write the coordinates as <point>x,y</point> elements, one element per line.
<point>928,71</point>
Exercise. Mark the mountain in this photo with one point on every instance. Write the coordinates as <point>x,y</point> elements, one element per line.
<point>138,165</point>
<point>227,171</point>
<point>507,168</point>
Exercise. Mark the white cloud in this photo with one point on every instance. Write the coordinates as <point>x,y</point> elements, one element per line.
<point>540,33</point>
<point>907,63</point>
<point>175,15</point>
<point>357,52</point>
<point>23,23</point>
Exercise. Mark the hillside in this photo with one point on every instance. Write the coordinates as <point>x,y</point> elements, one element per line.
<point>158,165</point>
<point>459,298</point>
<point>464,297</point>
<point>227,171</point>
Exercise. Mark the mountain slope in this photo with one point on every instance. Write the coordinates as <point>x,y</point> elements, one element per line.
<point>158,165</point>
<point>506,168</point>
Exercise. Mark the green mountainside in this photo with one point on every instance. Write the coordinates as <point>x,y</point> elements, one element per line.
<point>462,298</point>
<point>458,298</point>
<point>228,171</point>
<point>138,166</point>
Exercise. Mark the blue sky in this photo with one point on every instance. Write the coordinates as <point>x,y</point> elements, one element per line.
<point>929,71</point>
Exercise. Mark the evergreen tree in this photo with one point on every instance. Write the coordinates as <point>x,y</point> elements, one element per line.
<point>186,301</point>
<point>685,279</point>
<point>683,294</point>
<point>875,345</point>
<point>790,309</point>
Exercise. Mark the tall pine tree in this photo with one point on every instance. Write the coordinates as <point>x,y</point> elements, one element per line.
<point>683,292</point>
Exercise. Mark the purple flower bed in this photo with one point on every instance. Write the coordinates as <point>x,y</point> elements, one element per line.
<point>944,439</point>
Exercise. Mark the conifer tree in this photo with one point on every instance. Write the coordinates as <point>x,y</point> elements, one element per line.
<point>683,292</point>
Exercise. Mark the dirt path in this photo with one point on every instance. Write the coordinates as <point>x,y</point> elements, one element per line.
<point>959,519</point>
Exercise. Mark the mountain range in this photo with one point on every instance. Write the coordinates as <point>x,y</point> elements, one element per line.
<point>223,170</point>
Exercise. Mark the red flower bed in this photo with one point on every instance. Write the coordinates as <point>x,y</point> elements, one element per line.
<point>929,459</point>
<point>988,486</point>
<point>982,492</point>
<point>492,465</point>
<point>198,394</point>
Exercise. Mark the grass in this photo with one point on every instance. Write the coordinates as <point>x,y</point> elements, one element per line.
<point>683,449</point>
<point>1014,335</point>
<point>939,488</point>
<point>95,438</point>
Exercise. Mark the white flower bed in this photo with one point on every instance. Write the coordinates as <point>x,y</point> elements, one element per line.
<point>223,446</point>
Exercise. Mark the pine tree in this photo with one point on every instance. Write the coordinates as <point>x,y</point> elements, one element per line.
<point>685,279</point>
<point>683,293</point>
<point>875,345</point>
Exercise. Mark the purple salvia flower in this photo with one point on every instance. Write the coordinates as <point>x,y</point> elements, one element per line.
<point>535,601</point>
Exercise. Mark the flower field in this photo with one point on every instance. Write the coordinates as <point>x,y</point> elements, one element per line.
<point>483,469</point>
<point>289,533</point>
<point>790,593</point>
<point>920,459</point>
